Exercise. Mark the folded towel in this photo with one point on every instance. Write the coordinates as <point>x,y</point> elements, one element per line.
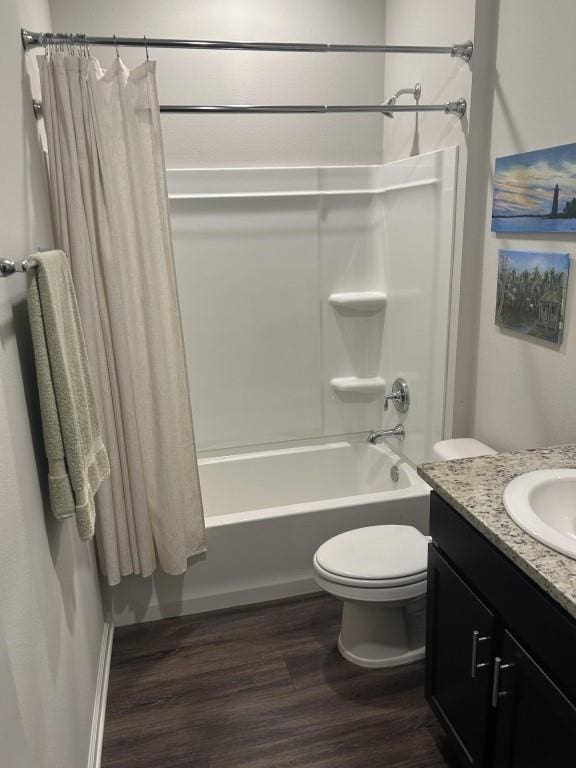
<point>77,458</point>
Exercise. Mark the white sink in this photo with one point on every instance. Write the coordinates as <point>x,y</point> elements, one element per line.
<point>543,503</point>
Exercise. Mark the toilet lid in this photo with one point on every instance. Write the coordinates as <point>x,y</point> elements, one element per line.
<point>379,552</point>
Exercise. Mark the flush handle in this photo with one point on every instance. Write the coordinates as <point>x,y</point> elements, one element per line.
<point>476,640</point>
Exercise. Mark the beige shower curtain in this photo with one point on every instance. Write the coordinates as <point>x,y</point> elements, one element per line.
<point>110,206</point>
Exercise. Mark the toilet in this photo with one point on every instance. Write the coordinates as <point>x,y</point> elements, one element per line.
<point>380,572</point>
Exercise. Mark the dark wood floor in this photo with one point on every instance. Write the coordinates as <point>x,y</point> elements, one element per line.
<point>261,687</point>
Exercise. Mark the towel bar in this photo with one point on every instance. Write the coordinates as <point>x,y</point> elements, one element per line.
<point>9,267</point>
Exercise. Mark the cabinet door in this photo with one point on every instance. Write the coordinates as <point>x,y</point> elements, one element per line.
<point>536,724</point>
<point>460,633</point>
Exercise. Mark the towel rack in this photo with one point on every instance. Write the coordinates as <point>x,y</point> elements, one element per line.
<point>9,267</point>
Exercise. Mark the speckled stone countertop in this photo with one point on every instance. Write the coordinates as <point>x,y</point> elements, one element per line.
<point>474,487</point>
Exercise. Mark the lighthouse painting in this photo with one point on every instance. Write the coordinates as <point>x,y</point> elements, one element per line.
<point>536,191</point>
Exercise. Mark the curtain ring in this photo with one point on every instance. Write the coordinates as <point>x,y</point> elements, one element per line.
<point>146,46</point>
<point>116,46</point>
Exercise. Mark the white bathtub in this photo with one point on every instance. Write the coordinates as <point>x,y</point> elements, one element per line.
<point>266,514</point>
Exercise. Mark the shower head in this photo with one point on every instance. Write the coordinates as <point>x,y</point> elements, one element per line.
<point>416,92</point>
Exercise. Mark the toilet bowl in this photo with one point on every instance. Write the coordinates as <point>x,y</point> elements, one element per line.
<point>380,573</point>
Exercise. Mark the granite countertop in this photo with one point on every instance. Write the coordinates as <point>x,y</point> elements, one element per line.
<point>474,488</point>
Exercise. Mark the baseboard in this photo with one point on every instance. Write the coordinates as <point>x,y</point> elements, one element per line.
<point>99,712</point>
<point>262,593</point>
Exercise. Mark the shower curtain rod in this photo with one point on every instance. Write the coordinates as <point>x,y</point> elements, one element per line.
<point>457,108</point>
<point>34,39</point>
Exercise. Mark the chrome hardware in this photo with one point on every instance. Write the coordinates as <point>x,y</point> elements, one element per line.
<point>498,669</point>
<point>400,396</point>
<point>34,39</point>
<point>9,267</point>
<point>463,51</point>
<point>416,92</point>
<point>457,108</point>
<point>30,40</point>
<point>381,434</point>
<point>394,473</point>
<point>475,640</point>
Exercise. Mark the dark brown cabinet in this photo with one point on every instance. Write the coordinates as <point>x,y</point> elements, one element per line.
<point>500,670</point>
<point>460,632</point>
<point>536,723</point>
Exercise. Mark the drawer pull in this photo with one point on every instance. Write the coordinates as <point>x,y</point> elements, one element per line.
<point>498,669</point>
<point>476,639</point>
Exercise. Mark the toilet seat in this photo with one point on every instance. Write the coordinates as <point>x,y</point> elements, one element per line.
<point>376,557</point>
<point>336,578</point>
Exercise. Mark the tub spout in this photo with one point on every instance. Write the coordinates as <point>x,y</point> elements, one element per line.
<point>376,437</point>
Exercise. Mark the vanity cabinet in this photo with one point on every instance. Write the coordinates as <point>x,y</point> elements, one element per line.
<point>536,723</point>
<point>501,654</point>
<point>458,652</point>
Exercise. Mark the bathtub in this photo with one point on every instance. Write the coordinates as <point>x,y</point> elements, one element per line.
<point>266,514</point>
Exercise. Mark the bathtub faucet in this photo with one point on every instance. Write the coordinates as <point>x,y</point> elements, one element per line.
<point>376,437</point>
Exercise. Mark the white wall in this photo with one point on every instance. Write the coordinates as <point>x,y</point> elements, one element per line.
<point>526,389</point>
<point>50,613</point>
<point>444,22</point>
<point>188,77</point>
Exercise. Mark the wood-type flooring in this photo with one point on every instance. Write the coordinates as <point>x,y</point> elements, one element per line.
<point>262,687</point>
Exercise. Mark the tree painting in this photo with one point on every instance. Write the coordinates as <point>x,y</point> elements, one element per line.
<point>531,293</point>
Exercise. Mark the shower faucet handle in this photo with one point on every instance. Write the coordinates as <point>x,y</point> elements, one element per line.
<point>400,396</point>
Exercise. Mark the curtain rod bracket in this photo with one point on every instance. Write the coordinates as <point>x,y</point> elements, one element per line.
<point>463,51</point>
<point>28,39</point>
<point>457,108</point>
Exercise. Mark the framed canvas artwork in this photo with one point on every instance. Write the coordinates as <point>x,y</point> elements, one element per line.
<point>531,293</point>
<point>536,191</point>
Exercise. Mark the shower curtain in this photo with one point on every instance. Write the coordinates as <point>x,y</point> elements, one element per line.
<point>110,207</point>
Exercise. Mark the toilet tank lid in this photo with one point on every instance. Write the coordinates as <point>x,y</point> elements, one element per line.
<point>460,448</point>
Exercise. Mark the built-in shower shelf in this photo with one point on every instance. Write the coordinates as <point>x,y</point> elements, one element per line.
<point>360,386</point>
<point>361,302</point>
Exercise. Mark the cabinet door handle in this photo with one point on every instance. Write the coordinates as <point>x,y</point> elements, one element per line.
<point>476,638</point>
<point>499,667</point>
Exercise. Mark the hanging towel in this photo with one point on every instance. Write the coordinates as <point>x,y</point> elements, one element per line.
<point>77,458</point>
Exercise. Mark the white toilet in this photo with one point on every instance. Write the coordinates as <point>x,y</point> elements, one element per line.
<point>379,573</point>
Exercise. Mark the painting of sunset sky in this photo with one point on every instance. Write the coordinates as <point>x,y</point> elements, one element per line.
<point>536,191</point>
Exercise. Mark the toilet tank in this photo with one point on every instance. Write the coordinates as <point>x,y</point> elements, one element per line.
<point>460,448</point>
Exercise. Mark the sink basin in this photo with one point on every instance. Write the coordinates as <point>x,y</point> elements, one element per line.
<point>543,503</point>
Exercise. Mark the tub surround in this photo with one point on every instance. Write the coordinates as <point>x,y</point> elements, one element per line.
<point>305,292</point>
<point>474,487</point>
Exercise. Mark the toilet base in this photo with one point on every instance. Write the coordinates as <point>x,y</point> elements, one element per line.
<point>409,657</point>
<point>377,635</point>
